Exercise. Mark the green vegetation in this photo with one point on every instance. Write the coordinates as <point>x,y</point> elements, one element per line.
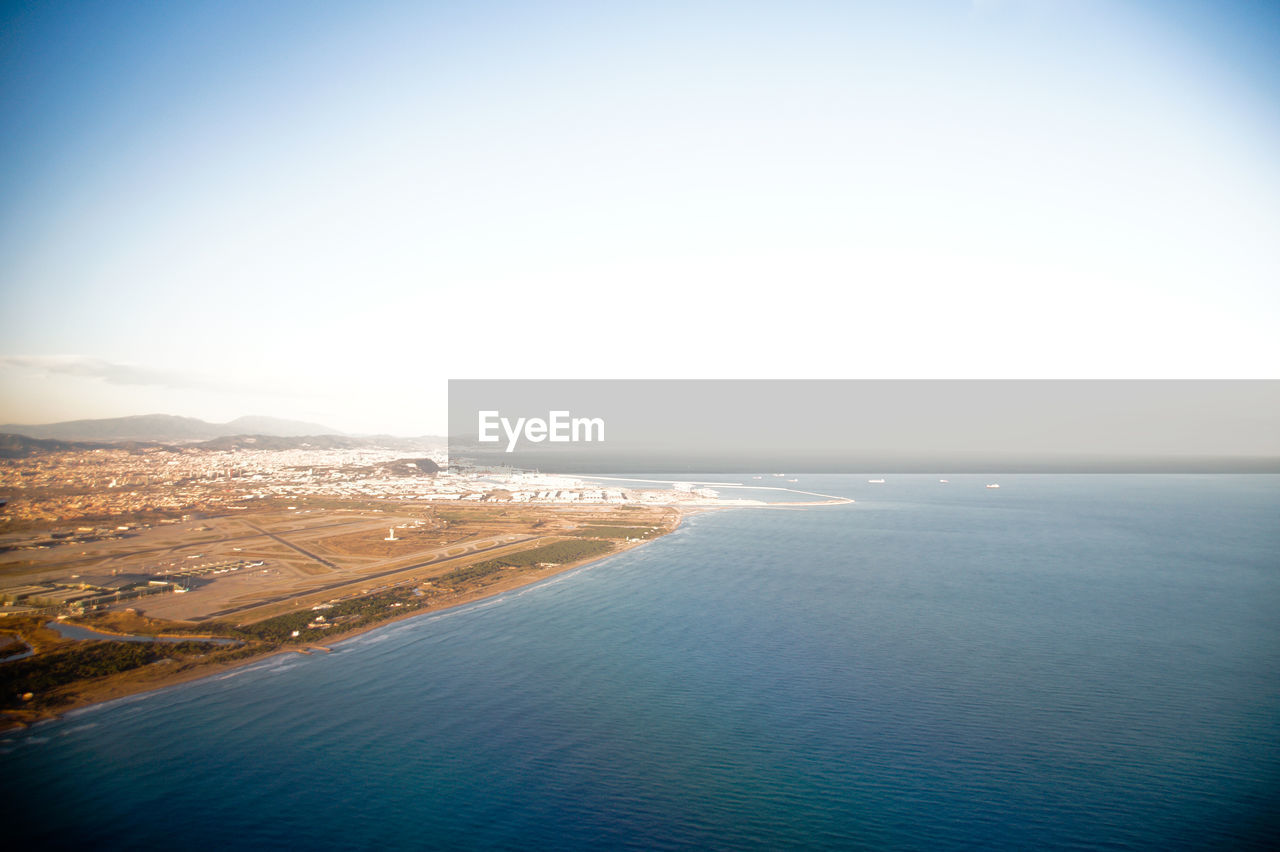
<point>347,615</point>
<point>556,553</point>
<point>84,660</point>
<point>471,572</point>
<point>606,531</point>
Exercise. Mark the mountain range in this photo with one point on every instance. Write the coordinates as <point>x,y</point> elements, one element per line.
<point>166,431</point>
<point>165,428</point>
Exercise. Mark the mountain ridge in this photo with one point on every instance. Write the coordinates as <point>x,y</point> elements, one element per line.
<point>166,428</point>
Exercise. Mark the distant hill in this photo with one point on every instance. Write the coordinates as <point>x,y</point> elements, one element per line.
<point>165,427</point>
<point>277,442</point>
<point>412,467</point>
<point>22,446</point>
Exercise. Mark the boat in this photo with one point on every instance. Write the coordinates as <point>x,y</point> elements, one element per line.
<point>994,485</point>
<point>875,481</point>
<point>944,481</point>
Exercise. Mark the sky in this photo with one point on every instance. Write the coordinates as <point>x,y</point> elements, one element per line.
<point>325,211</point>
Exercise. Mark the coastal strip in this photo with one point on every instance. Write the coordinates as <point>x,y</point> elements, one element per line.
<point>151,678</point>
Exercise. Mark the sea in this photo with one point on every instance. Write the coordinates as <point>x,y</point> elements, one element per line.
<point>1065,662</point>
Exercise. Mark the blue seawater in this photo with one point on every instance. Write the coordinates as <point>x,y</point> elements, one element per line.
<point>1068,662</point>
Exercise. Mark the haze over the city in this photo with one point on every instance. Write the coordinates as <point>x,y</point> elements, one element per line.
<point>323,213</point>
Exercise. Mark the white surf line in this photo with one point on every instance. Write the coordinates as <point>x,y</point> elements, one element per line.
<point>728,485</point>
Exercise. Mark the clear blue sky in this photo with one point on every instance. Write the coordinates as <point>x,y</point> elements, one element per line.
<point>325,210</point>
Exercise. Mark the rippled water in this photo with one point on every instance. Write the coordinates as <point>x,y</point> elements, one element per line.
<point>1068,662</point>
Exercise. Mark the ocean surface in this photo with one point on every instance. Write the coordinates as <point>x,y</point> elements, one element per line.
<point>1066,662</point>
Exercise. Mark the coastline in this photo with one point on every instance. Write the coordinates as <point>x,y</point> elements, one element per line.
<point>148,679</point>
<point>154,678</point>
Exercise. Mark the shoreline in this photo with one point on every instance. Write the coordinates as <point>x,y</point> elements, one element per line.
<point>137,682</point>
<point>118,687</point>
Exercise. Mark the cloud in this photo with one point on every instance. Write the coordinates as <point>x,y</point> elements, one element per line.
<point>116,374</point>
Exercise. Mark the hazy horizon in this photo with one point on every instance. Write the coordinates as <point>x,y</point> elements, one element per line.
<point>843,426</point>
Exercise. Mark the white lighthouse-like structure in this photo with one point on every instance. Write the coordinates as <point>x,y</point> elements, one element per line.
<point>391,535</point>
